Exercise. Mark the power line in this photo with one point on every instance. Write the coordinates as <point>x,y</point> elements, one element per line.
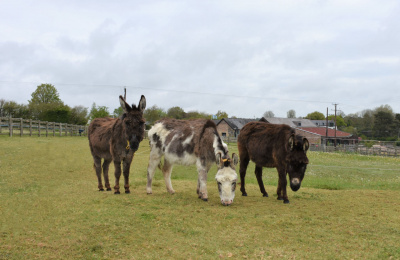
<point>177,91</point>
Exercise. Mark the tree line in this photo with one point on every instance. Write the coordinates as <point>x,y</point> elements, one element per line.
<point>381,123</point>
<point>45,105</point>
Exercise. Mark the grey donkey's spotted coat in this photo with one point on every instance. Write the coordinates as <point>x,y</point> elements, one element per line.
<point>188,142</point>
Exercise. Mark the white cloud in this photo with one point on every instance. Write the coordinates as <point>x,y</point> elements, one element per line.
<point>249,57</point>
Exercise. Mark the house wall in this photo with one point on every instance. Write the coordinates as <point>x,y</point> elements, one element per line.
<point>311,137</point>
<point>223,127</point>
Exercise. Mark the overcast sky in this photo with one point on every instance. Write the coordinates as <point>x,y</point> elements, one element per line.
<point>241,57</point>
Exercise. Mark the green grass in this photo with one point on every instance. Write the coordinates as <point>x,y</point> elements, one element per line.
<point>348,208</point>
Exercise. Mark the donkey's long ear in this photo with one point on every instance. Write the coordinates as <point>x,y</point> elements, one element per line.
<point>291,142</point>
<point>125,106</point>
<point>142,103</point>
<point>235,159</point>
<point>219,158</point>
<point>306,144</point>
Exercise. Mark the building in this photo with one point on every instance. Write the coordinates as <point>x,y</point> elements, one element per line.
<point>322,123</point>
<point>292,122</point>
<point>318,135</point>
<point>230,128</point>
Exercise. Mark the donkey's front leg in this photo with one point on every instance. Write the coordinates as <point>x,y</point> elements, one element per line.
<point>117,173</point>
<point>127,166</point>
<point>202,183</point>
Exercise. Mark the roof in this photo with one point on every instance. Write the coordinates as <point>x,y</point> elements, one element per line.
<point>292,122</point>
<point>237,123</point>
<point>322,131</point>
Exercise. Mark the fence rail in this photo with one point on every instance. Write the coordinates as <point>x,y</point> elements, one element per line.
<point>20,127</point>
<point>368,147</point>
<point>379,150</point>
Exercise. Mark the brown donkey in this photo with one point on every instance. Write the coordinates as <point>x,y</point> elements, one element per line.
<point>273,146</point>
<point>117,139</point>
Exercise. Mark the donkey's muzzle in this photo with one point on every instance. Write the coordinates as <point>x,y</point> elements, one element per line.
<point>295,184</point>
<point>134,143</point>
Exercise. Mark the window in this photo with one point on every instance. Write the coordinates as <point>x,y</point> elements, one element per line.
<point>224,134</point>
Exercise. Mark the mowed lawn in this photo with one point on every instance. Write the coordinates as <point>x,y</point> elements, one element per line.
<point>347,208</point>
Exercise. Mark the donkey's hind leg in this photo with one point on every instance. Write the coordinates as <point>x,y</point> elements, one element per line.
<point>167,169</point>
<point>97,167</point>
<point>154,161</point>
<point>106,165</point>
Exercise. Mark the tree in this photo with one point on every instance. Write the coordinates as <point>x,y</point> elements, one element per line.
<point>339,120</point>
<point>153,114</point>
<point>10,108</point>
<point>2,102</point>
<point>221,114</point>
<point>315,116</point>
<point>384,125</point>
<point>118,112</point>
<point>78,115</point>
<point>176,112</point>
<point>197,114</point>
<point>56,112</point>
<point>98,112</point>
<point>269,114</point>
<point>291,114</point>
<point>44,94</point>
<point>384,108</point>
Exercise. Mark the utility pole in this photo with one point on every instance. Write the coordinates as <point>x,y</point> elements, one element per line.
<point>326,138</point>
<point>125,93</point>
<point>335,123</point>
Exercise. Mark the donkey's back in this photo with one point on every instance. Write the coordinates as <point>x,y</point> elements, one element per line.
<point>100,133</point>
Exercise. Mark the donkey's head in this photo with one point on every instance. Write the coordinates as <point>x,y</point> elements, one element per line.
<point>133,123</point>
<point>226,177</point>
<point>296,160</point>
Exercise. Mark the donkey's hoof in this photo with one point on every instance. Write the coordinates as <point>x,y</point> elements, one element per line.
<point>244,194</point>
<point>117,192</point>
<point>101,189</point>
<point>206,199</point>
<point>279,198</point>
<point>265,195</point>
<point>127,192</point>
<point>108,189</point>
<point>286,201</point>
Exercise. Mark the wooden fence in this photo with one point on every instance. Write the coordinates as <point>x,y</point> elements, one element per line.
<point>379,150</point>
<point>19,127</point>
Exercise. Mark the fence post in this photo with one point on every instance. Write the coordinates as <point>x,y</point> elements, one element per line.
<point>30,127</point>
<point>47,129</point>
<point>39,127</point>
<point>21,125</point>
<point>54,128</point>
<point>1,119</point>
<point>10,126</point>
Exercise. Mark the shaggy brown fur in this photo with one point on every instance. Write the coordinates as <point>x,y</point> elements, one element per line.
<point>117,139</point>
<point>273,146</point>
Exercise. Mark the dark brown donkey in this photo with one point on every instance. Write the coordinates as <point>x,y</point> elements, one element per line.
<point>273,146</point>
<point>117,139</point>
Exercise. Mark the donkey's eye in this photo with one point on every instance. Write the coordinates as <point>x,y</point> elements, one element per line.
<point>218,183</point>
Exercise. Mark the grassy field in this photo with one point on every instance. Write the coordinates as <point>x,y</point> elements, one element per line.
<point>348,208</point>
